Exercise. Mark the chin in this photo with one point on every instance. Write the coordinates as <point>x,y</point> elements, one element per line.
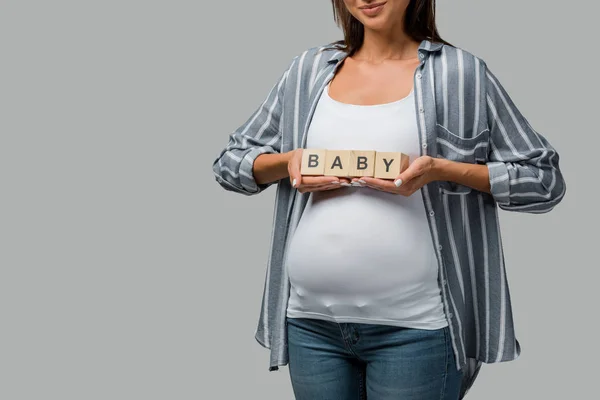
<point>377,24</point>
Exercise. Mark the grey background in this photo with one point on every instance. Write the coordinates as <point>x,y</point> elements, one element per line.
<point>124,274</point>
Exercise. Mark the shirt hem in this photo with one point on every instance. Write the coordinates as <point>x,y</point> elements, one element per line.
<point>377,321</point>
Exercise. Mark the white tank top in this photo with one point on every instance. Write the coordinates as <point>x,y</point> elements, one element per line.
<point>360,254</point>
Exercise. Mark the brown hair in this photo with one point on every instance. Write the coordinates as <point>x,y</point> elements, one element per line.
<point>419,24</point>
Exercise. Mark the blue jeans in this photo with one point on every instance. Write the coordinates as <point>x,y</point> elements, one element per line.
<point>348,361</point>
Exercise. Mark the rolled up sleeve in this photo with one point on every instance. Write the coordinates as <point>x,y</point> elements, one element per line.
<point>523,166</point>
<point>260,134</point>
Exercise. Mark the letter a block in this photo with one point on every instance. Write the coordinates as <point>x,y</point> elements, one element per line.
<point>362,163</point>
<point>313,162</point>
<point>337,163</point>
<point>389,165</point>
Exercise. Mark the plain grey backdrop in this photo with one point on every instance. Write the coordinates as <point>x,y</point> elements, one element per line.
<point>124,272</point>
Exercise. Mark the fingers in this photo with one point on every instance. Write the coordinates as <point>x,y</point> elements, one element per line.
<point>416,169</point>
<point>308,189</point>
<point>320,180</point>
<point>295,176</point>
<point>318,188</point>
<point>358,182</point>
<point>320,183</point>
<point>386,185</point>
<point>380,184</point>
<point>405,177</point>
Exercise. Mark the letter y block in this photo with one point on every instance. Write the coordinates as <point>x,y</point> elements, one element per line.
<point>388,165</point>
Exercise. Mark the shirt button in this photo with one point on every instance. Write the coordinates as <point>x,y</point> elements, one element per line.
<point>450,315</point>
<point>439,246</point>
<point>424,145</point>
<point>444,282</point>
<point>421,55</point>
<point>421,110</point>
<point>431,213</point>
<point>418,76</point>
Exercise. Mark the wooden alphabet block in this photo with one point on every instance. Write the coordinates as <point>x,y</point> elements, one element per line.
<point>313,162</point>
<point>362,163</point>
<point>388,165</point>
<point>337,163</point>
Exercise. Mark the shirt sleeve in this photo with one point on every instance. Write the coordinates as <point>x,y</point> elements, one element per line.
<point>523,166</point>
<point>260,134</point>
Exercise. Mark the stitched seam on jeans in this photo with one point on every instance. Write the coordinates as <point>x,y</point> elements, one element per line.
<point>443,393</point>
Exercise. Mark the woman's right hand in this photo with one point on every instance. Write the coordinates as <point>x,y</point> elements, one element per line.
<point>311,183</point>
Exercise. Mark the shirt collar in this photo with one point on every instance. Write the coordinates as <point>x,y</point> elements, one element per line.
<point>426,46</point>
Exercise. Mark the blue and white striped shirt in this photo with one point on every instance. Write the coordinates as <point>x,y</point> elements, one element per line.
<point>464,114</point>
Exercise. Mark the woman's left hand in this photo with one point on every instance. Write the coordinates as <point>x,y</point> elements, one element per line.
<point>419,173</point>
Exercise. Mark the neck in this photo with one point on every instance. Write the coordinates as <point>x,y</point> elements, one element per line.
<point>393,44</point>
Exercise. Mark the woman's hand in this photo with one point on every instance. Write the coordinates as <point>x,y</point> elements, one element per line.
<point>311,183</point>
<point>419,173</point>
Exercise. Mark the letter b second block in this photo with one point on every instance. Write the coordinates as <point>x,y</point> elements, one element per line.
<point>362,163</point>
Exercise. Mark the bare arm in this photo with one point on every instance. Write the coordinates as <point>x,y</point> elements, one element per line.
<point>271,167</point>
<point>475,176</point>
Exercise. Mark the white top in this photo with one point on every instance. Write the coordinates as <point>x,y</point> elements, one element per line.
<point>360,254</point>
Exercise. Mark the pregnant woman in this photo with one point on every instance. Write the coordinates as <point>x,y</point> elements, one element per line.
<point>390,289</point>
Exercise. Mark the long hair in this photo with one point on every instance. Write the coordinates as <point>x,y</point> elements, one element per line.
<point>419,24</point>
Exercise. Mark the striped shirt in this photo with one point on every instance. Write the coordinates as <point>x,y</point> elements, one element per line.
<point>464,114</point>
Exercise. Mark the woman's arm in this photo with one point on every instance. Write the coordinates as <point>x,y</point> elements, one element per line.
<point>252,160</point>
<point>475,176</point>
<point>259,135</point>
<point>522,173</point>
<point>523,166</point>
<point>426,169</point>
<point>269,168</point>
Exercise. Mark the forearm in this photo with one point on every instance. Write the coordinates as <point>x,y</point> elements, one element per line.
<point>271,167</point>
<point>475,176</point>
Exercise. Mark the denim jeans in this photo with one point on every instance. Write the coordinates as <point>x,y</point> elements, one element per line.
<point>348,361</point>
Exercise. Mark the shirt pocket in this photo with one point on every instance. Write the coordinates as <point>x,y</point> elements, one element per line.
<point>467,149</point>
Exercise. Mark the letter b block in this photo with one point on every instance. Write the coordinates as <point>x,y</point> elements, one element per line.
<point>362,163</point>
<point>337,163</point>
<point>313,162</point>
<point>389,165</point>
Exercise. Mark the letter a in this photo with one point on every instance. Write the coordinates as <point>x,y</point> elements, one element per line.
<point>337,162</point>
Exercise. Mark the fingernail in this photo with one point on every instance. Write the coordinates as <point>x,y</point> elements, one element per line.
<point>356,184</point>
<point>294,183</point>
<point>335,182</point>
<point>362,181</point>
<point>398,182</point>
<point>345,184</point>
